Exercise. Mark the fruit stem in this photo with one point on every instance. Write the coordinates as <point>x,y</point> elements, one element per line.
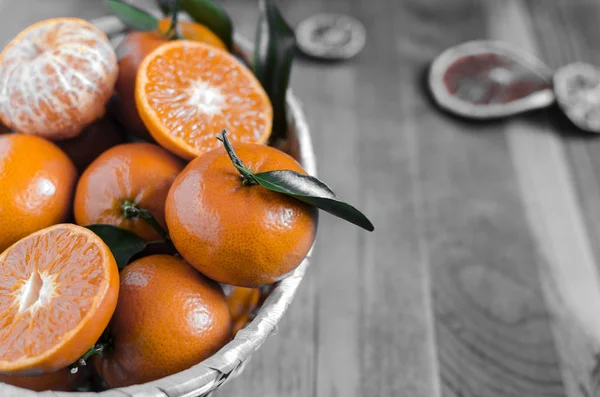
<point>132,210</point>
<point>172,32</point>
<point>247,174</point>
<point>95,350</point>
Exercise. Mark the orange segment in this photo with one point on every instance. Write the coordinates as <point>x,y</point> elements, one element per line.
<point>58,290</point>
<point>55,78</point>
<point>187,92</point>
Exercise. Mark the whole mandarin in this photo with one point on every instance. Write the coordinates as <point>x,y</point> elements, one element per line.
<point>140,173</point>
<point>93,141</point>
<point>169,317</point>
<point>242,304</point>
<point>61,380</point>
<point>56,77</point>
<point>189,30</point>
<point>236,234</point>
<point>37,181</point>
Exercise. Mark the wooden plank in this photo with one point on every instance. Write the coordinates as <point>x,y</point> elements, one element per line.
<point>492,326</point>
<point>397,336</point>
<point>575,293</point>
<point>576,41</point>
<point>374,303</point>
<point>566,260</point>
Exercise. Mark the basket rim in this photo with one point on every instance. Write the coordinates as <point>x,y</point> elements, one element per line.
<point>230,359</point>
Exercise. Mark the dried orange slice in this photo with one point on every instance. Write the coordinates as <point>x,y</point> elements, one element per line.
<point>58,291</point>
<point>485,79</point>
<point>187,92</point>
<point>55,78</point>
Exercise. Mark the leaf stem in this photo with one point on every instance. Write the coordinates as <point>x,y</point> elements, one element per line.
<point>247,175</point>
<point>132,210</point>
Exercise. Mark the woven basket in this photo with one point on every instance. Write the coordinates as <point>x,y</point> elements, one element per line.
<point>201,379</point>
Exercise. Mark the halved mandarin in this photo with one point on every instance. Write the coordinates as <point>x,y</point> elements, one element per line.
<point>58,291</point>
<point>187,92</point>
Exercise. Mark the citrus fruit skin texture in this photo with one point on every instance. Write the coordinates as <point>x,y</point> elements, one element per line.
<point>93,141</point>
<point>169,318</point>
<point>61,380</point>
<point>37,181</point>
<point>140,172</point>
<point>56,77</point>
<point>187,92</point>
<point>234,234</point>
<point>130,53</point>
<point>59,289</point>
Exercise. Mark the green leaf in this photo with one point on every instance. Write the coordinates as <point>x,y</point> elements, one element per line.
<point>207,13</point>
<point>122,243</point>
<point>273,55</point>
<point>133,17</point>
<point>312,191</point>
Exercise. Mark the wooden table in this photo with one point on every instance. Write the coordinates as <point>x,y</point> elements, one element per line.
<point>481,278</point>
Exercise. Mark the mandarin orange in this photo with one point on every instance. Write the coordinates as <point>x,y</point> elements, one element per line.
<point>187,92</point>
<point>189,30</point>
<point>37,181</point>
<point>56,77</point>
<point>169,317</point>
<point>130,53</point>
<point>93,141</point>
<point>235,234</point>
<point>140,173</point>
<point>58,291</point>
<point>242,303</point>
<point>61,380</point>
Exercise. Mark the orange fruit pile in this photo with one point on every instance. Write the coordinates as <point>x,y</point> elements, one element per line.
<point>67,293</point>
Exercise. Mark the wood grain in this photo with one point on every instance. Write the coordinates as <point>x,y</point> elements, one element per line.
<point>492,324</point>
<point>567,260</point>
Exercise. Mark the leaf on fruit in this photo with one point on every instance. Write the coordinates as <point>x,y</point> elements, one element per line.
<point>133,17</point>
<point>312,191</point>
<point>275,45</point>
<point>207,13</point>
<point>303,187</point>
<point>122,243</point>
